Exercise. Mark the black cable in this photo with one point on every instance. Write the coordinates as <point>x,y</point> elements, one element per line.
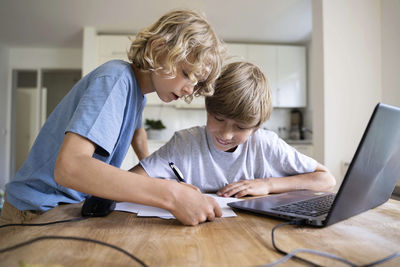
<point>75,239</point>
<point>43,224</point>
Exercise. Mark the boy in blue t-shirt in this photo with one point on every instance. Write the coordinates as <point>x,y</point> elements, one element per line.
<point>231,155</point>
<point>82,144</point>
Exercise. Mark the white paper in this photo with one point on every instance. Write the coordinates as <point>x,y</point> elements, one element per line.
<point>149,211</point>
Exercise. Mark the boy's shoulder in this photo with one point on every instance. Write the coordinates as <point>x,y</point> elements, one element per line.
<point>193,133</point>
<point>116,63</point>
<point>268,140</point>
<point>114,68</point>
<point>265,135</point>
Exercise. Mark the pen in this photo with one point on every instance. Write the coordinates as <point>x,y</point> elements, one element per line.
<point>177,172</point>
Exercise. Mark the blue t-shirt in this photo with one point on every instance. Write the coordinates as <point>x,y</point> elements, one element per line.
<point>105,107</point>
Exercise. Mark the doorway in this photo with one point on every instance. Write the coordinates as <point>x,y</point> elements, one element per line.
<point>35,94</point>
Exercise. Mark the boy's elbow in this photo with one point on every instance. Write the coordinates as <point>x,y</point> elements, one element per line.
<point>330,181</point>
<point>63,171</point>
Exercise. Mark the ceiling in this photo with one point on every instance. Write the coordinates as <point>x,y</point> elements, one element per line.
<point>59,23</point>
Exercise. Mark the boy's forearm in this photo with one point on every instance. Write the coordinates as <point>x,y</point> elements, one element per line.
<point>139,144</point>
<point>138,169</point>
<point>319,180</point>
<point>103,180</point>
<point>187,205</point>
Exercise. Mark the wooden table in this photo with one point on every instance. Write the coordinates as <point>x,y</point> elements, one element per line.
<point>244,240</point>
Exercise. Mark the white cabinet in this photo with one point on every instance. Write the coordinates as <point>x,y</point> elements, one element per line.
<point>291,73</point>
<point>284,67</point>
<point>236,52</point>
<point>305,149</point>
<point>197,103</point>
<point>112,47</point>
<point>265,57</point>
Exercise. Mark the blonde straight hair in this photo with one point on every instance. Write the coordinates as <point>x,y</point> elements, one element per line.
<point>181,36</point>
<point>242,94</point>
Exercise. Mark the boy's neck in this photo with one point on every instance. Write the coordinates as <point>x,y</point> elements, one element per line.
<point>232,149</point>
<point>144,80</point>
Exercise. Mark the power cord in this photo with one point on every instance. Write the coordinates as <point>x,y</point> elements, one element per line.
<point>286,257</point>
<point>320,253</point>
<point>388,258</point>
<point>22,244</point>
<point>51,237</point>
<point>43,224</point>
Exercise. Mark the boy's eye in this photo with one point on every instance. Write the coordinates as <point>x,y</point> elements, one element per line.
<point>219,119</point>
<point>185,74</point>
<point>243,127</point>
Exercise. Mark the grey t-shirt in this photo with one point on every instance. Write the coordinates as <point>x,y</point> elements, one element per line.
<point>263,155</point>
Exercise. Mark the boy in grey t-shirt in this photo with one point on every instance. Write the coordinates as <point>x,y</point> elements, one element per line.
<point>231,155</point>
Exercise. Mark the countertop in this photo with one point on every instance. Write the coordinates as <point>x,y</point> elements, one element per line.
<point>299,142</point>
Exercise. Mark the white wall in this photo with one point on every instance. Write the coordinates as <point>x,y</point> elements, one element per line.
<point>391,52</point>
<point>45,58</point>
<point>317,82</point>
<point>4,107</point>
<point>25,58</point>
<point>351,50</point>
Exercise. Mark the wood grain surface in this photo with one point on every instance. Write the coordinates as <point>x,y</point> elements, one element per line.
<point>244,240</point>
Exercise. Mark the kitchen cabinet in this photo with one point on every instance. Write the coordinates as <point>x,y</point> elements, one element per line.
<point>197,103</point>
<point>265,57</point>
<point>154,100</point>
<point>291,75</point>
<point>236,52</point>
<point>284,67</point>
<point>306,149</point>
<point>112,47</point>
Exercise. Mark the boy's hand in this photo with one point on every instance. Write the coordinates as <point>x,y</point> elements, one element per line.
<point>245,187</point>
<point>191,186</point>
<point>192,207</point>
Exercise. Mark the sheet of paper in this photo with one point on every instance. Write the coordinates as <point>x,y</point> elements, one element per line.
<point>149,211</point>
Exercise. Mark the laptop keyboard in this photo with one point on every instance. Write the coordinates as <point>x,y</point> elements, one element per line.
<point>310,207</point>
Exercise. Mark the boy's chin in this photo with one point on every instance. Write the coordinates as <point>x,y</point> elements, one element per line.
<point>225,149</point>
<point>166,99</point>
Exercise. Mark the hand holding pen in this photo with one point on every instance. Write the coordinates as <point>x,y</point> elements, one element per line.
<point>177,172</point>
<point>179,177</point>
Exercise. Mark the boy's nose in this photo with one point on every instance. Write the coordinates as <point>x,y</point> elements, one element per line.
<point>226,134</point>
<point>188,89</point>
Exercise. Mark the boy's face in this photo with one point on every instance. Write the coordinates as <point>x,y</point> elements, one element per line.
<point>169,89</point>
<point>227,134</point>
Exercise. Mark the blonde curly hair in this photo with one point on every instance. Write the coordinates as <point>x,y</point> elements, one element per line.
<point>242,94</point>
<point>179,36</point>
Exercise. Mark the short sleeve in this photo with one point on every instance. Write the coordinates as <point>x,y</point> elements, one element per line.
<point>99,114</point>
<point>156,165</point>
<point>139,123</point>
<point>281,158</point>
<point>293,162</point>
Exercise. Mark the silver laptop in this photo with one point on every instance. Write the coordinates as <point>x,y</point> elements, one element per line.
<point>368,183</point>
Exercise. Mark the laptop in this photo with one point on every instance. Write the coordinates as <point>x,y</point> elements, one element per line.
<point>368,183</point>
